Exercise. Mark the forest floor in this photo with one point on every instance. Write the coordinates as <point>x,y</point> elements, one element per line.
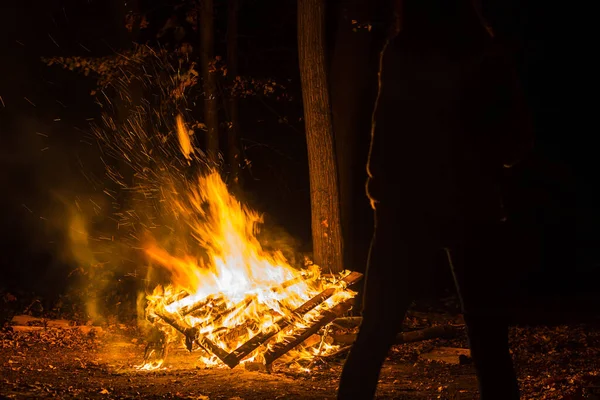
<point>560,362</point>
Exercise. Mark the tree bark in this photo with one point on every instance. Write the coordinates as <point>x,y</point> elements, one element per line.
<point>209,78</point>
<point>324,192</point>
<point>233,138</point>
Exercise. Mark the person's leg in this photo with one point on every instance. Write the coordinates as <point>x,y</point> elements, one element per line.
<point>394,275</point>
<point>488,340</point>
<point>382,318</point>
<point>482,283</point>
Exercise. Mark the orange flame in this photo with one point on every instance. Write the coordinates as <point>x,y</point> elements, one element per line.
<point>237,289</point>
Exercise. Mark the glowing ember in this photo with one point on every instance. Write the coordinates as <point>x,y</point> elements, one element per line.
<point>232,290</point>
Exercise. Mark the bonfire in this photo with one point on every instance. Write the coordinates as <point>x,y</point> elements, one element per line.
<point>235,302</point>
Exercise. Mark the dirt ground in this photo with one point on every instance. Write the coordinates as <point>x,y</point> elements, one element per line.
<point>553,363</point>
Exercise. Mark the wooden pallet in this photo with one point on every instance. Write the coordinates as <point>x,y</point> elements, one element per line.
<point>232,359</point>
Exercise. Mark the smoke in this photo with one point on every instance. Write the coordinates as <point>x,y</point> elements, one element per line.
<point>104,197</point>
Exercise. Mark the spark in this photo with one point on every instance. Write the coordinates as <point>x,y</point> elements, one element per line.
<point>55,42</point>
<point>85,48</point>
<point>30,102</point>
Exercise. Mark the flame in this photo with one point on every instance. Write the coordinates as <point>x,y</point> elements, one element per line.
<point>228,286</point>
<point>184,138</point>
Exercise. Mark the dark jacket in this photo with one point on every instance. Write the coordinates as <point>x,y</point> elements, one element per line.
<point>448,118</point>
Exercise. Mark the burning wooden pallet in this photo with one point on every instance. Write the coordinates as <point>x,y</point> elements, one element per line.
<point>193,334</point>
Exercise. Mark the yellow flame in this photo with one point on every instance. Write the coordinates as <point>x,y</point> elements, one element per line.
<point>184,138</point>
<point>236,288</point>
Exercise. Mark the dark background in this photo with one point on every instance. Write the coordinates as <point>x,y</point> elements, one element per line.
<point>43,150</point>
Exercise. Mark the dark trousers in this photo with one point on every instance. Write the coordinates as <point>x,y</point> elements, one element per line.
<point>401,261</point>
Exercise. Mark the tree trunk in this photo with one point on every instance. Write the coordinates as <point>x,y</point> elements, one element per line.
<point>209,78</point>
<point>234,152</point>
<point>324,196</point>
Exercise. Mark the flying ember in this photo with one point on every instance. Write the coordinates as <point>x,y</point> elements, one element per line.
<point>228,298</point>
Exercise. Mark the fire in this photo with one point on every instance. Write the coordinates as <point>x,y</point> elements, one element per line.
<point>226,289</point>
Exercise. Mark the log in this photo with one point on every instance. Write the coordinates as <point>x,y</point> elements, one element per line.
<point>440,331</point>
<point>85,329</point>
<point>28,320</point>
<point>326,317</point>
<point>27,323</point>
<point>353,322</point>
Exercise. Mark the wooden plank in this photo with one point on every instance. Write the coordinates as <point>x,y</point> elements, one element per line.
<point>191,334</point>
<point>177,296</point>
<point>287,284</point>
<point>173,320</point>
<point>352,278</point>
<point>326,317</point>
<point>194,335</point>
<point>233,359</point>
<point>202,303</point>
<point>253,343</point>
<point>172,299</point>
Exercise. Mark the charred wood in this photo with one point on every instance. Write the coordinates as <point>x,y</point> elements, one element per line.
<point>326,317</point>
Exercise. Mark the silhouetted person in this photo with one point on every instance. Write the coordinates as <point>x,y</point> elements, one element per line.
<point>447,122</point>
